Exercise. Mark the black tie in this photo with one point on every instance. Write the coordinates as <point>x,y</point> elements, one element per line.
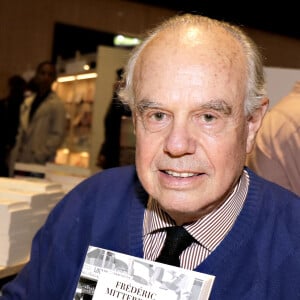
<point>177,240</point>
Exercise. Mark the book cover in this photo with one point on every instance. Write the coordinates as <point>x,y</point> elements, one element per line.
<point>108,275</point>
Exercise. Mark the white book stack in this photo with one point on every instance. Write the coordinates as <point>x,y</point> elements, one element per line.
<point>53,190</point>
<point>68,176</point>
<point>54,197</point>
<point>29,170</point>
<point>28,184</point>
<point>40,204</point>
<point>24,207</point>
<point>15,234</point>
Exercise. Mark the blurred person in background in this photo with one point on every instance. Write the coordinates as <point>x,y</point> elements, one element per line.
<point>276,153</point>
<point>111,153</point>
<point>42,126</point>
<point>9,119</point>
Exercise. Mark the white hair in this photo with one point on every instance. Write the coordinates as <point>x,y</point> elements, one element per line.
<point>255,88</point>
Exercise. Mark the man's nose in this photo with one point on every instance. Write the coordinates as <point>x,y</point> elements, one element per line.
<point>179,140</point>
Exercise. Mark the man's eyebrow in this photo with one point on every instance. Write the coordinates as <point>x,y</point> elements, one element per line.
<point>218,105</point>
<point>145,104</point>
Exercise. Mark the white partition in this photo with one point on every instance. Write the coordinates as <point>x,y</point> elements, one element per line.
<point>280,81</point>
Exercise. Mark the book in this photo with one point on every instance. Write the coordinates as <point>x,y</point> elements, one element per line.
<point>15,235</point>
<point>38,201</point>
<point>14,216</point>
<point>24,206</point>
<point>67,170</point>
<point>29,170</point>
<point>109,274</point>
<point>27,184</point>
<point>67,176</point>
<point>15,249</point>
<point>68,182</point>
<point>40,205</point>
<point>54,197</point>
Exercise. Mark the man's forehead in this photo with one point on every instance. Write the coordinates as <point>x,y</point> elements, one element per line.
<point>189,44</point>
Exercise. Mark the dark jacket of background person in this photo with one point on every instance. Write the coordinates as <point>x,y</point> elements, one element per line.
<point>9,119</point>
<point>3,137</point>
<point>109,155</point>
<point>42,126</point>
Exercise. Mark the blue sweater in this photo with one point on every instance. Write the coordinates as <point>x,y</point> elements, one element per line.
<point>259,259</point>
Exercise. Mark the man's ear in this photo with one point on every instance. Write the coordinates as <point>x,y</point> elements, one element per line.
<point>255,121</point>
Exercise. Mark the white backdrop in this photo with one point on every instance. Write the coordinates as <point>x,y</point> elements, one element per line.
<point>280,81</point>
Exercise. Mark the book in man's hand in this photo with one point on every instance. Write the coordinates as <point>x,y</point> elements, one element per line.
<point>108,275</point>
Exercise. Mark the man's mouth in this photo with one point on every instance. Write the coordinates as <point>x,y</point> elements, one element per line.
<point>181,174</point>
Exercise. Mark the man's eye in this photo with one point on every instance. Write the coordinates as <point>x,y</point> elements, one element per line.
<point>155,120</point>
<point>158,116</point>
<point>208,117</point>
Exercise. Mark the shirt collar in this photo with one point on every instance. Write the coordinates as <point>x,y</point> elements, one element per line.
<point>210,230</point>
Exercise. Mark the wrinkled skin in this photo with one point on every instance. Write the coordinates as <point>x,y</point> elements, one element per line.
<point>192,134</point>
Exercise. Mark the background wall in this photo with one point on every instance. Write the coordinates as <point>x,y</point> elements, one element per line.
<point>280,82</point>
<point>26,31</point>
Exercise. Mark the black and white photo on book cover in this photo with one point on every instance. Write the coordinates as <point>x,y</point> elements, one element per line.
<point>112,275</point>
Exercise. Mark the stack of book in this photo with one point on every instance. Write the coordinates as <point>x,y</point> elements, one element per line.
<point>68,176</point>
<point>14,231</point>
<point>29,170</point>
<point>24,207</point>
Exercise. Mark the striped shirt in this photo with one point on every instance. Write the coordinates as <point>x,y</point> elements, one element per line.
<point>208,231</point>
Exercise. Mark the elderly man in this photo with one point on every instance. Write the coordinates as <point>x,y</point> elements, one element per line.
<point>196,90</point>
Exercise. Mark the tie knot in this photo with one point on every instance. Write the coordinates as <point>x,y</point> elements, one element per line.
<point>177,240</point>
